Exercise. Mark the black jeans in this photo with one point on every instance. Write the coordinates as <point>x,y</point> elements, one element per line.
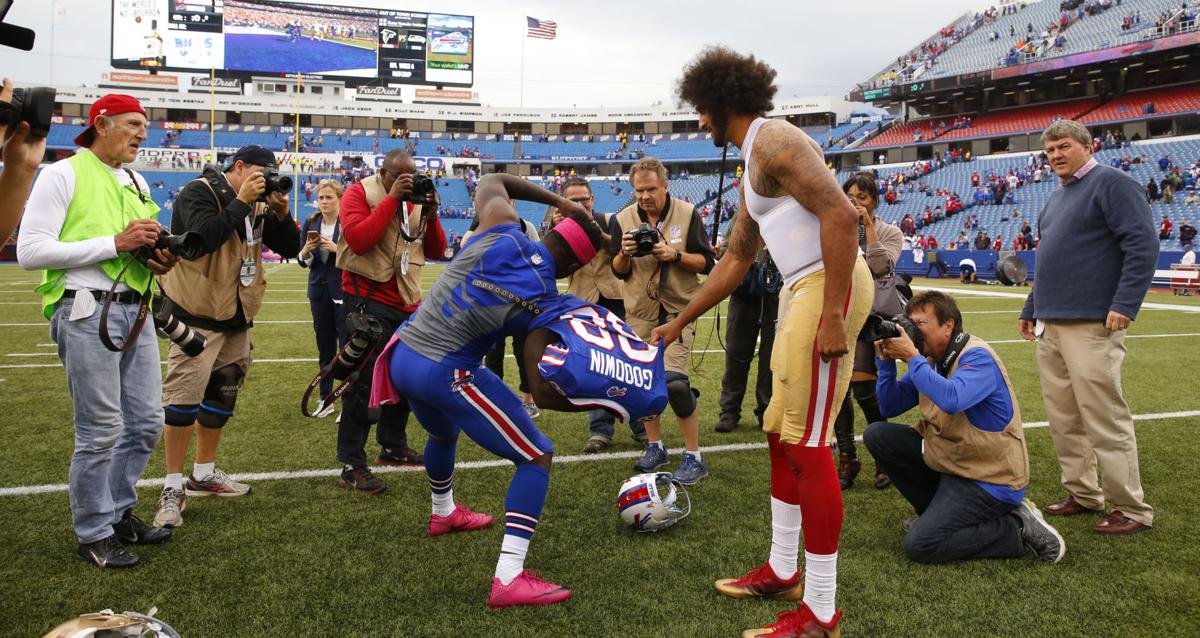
<point>601,423</point>
<point>494,360</point>
<point>357,417</point>
<point>958,519</point>
<point>328,318</point>
<point>748,318</point>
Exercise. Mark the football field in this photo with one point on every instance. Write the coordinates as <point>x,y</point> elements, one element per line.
<point>301,557</point>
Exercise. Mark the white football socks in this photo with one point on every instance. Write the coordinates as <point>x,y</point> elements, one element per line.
<point>443,504</point>
<point>174,481</point>
<point>512,558</point>
<point>820,584</point>
<point>695,453</point>
<point>658,444</point>
<point>201,471</point>
<point>785,538</point>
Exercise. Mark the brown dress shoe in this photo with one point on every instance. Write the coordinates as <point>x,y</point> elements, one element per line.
<point>1118,524</point>
<point>847,470</point>
<point>1068,507</point>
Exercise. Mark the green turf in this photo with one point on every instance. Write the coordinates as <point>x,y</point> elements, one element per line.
<point>300,557</point>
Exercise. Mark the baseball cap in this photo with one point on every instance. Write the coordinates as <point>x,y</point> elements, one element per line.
<point>111,104</point>
<point>252,154</point>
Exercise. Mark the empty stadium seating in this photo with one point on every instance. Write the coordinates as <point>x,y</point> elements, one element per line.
<point>1166,101</point>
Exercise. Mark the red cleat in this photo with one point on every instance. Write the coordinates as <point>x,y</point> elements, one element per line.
<point>462,519</point>
<point>762,582</point>
<point>526,589</point>
<point>799,623</point>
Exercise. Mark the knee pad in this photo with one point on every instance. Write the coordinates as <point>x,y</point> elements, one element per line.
<point>181,416</point>
<point>681,395</point>
<point>220,397</point>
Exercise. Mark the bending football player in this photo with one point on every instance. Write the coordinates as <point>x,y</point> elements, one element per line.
<point>502,284</point>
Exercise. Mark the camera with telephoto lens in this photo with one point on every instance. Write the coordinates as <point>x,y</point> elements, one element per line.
<point>422,188</point>
<point>34,105</point>
<point>189,246</point>
<point>365,331</point>
<point>879,327</point>
<point>170,327</point>
<point>276,183</point>
<point>645,236</point>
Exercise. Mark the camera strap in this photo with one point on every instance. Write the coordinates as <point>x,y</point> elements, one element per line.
<point>957,344</point>
<point>135,330</point>
<point>338,391</point>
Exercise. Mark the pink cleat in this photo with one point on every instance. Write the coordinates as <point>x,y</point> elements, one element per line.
<point>526,589</point>
<point>462,519</point>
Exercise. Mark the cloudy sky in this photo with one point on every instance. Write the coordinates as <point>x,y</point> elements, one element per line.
<point>608,53</point>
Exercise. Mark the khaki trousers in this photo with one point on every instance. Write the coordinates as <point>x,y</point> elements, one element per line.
<point>1090,423</point>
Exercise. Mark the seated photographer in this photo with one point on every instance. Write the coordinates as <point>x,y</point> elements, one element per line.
<point>963,466</point>
<point>90,216</point>
<point>23,151</point>
<point>235,211</point>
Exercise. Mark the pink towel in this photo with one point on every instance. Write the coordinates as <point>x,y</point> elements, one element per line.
<point>382,390</point>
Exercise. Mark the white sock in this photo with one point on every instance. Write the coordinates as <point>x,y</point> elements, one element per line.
<point>657,444</point>
<point>695,453</point>
<point>512,558</point>
<point>174,481</point>
<point>820,584</point>
<point>200,471</point>
<point>785,538</point>
<point>443,504</point>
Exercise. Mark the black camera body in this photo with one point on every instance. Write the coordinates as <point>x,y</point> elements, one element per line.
<point>365,331</point>
<point>34,105</point>
<point>645,236</point>
<point>423,188</point>
<point>276,183</point>
<point>189,246</point>
<point>878,327</point>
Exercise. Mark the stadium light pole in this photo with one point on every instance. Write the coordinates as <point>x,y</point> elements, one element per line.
<point>523,39</point>
<point>296,151</point>
<point>212,114</point>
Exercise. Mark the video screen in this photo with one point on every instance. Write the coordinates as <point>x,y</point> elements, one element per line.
<point>274,37</point>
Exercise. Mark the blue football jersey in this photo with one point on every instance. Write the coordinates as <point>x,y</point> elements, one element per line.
<point>600,362</point>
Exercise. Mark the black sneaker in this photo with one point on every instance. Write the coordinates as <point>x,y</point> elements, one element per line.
<point>132,531</point>
<point>1038,536</point>
<point>726,423</point>
<point>595,446</point>
<point>107,552</point>
<point>360,478</point>
<point>399,456</point>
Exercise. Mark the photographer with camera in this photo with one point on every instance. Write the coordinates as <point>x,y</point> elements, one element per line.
<point>23,128</point>
<point>753,309</point>
<point>90,215</point>
<point>390,227</point>
<point>963,466</point>
<point>660,249</point>
<point>235,211</point>
<point>595,283</point>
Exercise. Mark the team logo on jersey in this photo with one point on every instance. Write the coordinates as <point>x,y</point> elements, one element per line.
<point>616,391</point>
<point>536,259</point>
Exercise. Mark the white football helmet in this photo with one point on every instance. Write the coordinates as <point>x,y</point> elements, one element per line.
<point>106,624</point>
<point>650,502</point>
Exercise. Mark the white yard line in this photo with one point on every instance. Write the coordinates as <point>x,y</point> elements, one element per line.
<point>1013,295</point>
<point>25,490</point>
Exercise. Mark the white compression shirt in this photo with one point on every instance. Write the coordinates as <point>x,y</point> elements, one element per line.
<point>792,233</point>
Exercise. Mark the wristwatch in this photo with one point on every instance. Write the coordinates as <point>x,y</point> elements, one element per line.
<point>678,257</point>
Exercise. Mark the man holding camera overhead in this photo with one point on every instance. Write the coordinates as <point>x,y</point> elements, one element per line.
<point>89,216</point>
<point>235,208</point>
<point>659,250</point>
<point>390,227</point>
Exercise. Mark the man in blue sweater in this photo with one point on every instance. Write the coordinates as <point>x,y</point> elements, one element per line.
<point>963,466</point>
<point>1095,262</point>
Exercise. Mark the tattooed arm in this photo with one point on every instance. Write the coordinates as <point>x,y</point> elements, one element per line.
<point>744,243</point>
<point>791,164</point>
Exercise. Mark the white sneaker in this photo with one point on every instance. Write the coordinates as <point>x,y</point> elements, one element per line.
<point>323,410</point>
<point>533,410</point>
<point>218,483</point>
<point>170,508</point>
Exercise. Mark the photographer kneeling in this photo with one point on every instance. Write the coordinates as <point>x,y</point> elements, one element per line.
<point>217,295</point>
<point>964,466</point>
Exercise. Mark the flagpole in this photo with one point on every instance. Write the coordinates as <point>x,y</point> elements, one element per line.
<point>212,113</point>
<point>296,153</point>
<point>523,39</point>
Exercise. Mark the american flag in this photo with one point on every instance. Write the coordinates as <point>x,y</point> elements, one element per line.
<point>544,29</point>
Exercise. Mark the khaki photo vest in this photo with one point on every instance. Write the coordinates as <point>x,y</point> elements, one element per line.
<point>677,286</point>
<point>382,262</point>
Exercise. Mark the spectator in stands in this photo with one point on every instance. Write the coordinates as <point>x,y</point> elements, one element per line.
<point>1187,233</point>
<point>1152,190</point>
<point>1164,228</point>
<point>386,238</point>
<point>1083,303</point>
<point>1192,198</point>
<point>318,253</point>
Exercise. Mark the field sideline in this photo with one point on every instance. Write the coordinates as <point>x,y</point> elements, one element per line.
<point>300,557</point>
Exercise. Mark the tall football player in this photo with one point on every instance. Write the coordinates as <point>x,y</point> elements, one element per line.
<point>790,200</point>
